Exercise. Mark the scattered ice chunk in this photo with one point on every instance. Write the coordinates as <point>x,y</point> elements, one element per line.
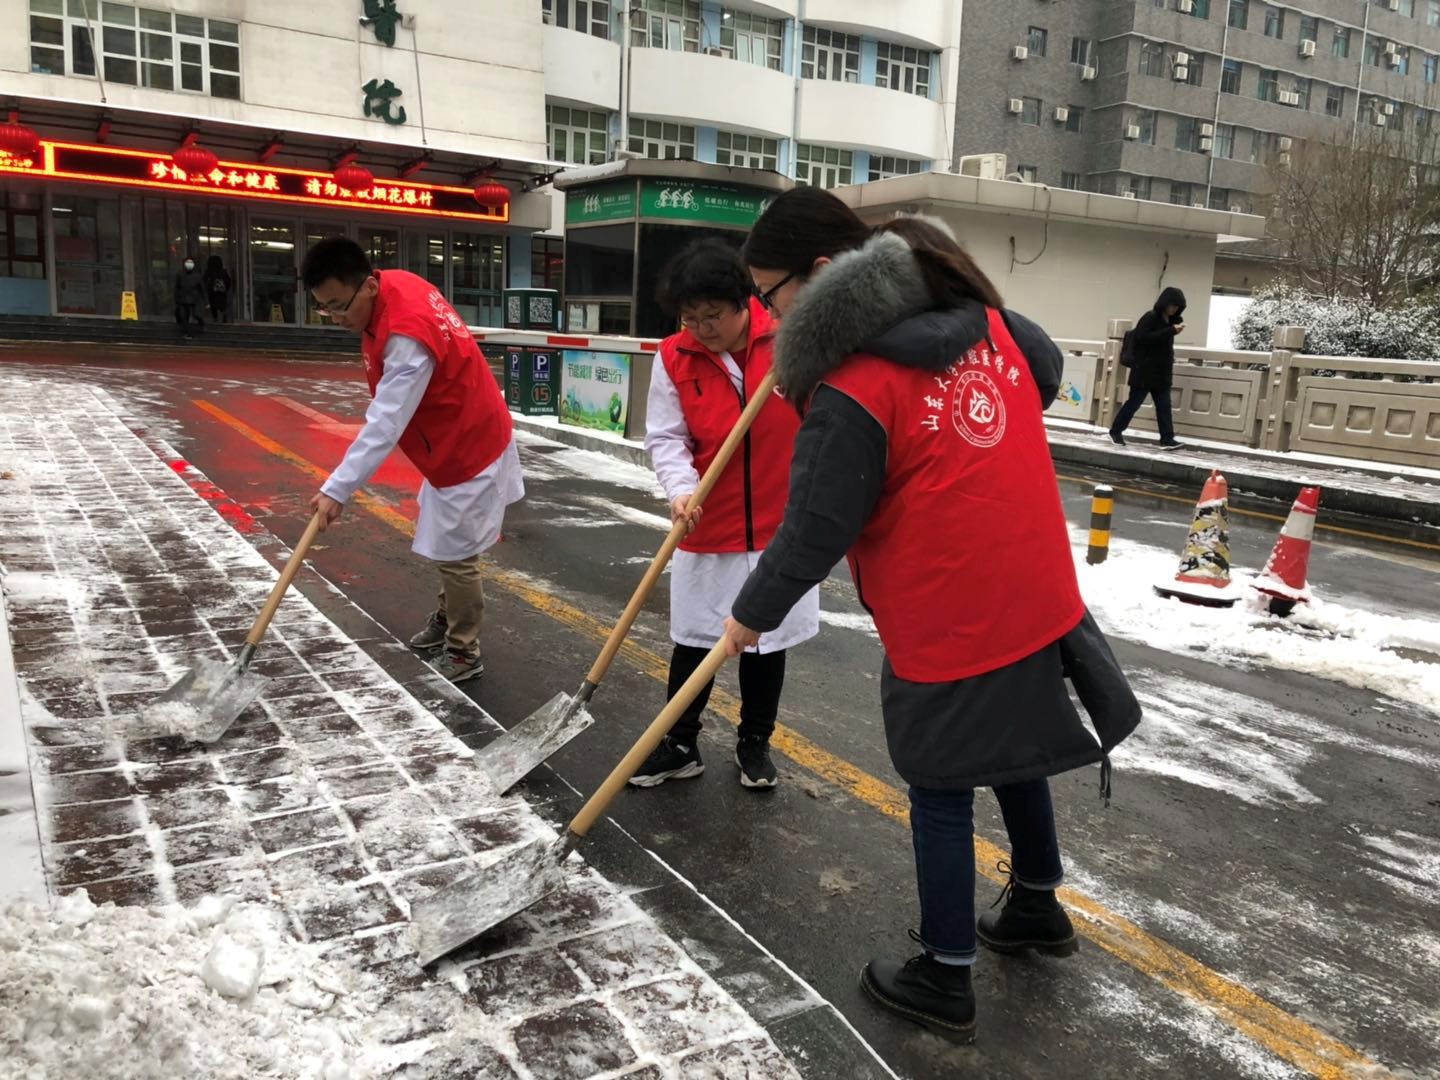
<point>232,968</point>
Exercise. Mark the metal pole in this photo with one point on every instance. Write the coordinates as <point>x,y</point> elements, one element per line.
<point>419,91</point>
<point>1215,133</point>
<point>623,140</point>
<point>1102,506</point>
<point>796,53</point>
<point>1360,78</point>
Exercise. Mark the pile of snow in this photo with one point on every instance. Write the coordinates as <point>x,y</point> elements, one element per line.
<point>219,990</point>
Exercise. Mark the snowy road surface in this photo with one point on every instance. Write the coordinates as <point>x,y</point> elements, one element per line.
<point>1258,901</point>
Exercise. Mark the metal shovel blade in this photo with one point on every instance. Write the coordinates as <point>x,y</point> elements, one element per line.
<point>205,702</point>
<point>460,912</point>
<point>513,756</point>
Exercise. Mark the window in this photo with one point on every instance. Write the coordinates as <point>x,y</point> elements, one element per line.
<point>1230,77</point>
<point>1075,118</point>
<point>1224,147</point>
<point>1031,113</point>
<point>1195,71</point>
<point>138,47</point>
<point>1036,39</point>
<point>1407,7</point>
<point>1080,49</point>
<point>753,39</point>
<point>1309,28</point>
<point>1340,44</point>
<point>1274,22</point>
<point>1140,187</point>
<point>746,151</point>
<point>1335,101</point>
<point>829,54</point>
<point>1431,62</point>
<point>1181,194</point>
<point>1028,173</point>
<point>662,141</point>
<point>1201,9</point>
<point>1152,58</point>
<point>1302,90</point>
<point>22,235</point>
<point>823,166</point>
<point>1070,181</point>
<point>1269,86</point>
<point>1402,61</point>
<point>1256,148</point>
<point>665,24</point>
<point>1239,14</point>
<point>547,263</point>
<point>1187,134</point>
<point>1432,13</point>
<point>1220,198</point>
<point>1145,119</point>
<point>577,136</point>
<point>882,168</point>
<point>1372,51</point>
<point>588,16</point>
<point>899,67</point>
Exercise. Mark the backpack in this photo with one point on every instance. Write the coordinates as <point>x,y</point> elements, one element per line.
<point>1127,349</point>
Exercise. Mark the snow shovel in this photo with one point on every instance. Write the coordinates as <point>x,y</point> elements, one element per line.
<point>510,758</point>
<point>457,913</point>
<point>207,699</point>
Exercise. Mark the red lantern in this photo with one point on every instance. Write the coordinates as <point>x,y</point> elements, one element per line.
<point>491,195</point>
<point>17,140</point>
<point>195,160</point>
<point>354,177</point>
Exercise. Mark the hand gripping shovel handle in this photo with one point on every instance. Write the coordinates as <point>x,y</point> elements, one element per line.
<point>677,531</point>
<point>600,801</point>
<point>292,567</point>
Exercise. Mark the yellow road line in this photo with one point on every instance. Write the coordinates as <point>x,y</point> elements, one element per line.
<point>1284,1035</point>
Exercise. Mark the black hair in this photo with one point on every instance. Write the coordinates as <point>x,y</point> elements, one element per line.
<point>950,273</point>
<point>213,264</point>
<point>338,258</point>
<point>800,226</point>
<point>705,269</point>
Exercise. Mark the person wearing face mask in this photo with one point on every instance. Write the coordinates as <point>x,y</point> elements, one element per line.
<point>434,397</point>
<point>703,378</point>
<point>189,297</point>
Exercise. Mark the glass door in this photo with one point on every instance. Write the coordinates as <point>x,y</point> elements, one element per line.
<point>382,246</point>
<point>477,271</point>
<point>425,256</point>
<point>315,231</point>
<point>274,275</point>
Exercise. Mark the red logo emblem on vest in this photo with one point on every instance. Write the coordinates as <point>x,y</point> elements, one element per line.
<point>978,409</point>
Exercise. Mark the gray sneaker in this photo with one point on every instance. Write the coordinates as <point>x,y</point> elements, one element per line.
<point>458,668</point>
<point>433,636</point>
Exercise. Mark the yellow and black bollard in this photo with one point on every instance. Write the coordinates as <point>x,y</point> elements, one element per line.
<point>1102,504</point>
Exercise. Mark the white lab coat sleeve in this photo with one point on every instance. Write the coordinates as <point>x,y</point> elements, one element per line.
<point>407,368</point>
<point>667,436</point>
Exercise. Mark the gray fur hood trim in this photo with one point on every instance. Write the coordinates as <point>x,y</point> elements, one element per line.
<point>855,299</point>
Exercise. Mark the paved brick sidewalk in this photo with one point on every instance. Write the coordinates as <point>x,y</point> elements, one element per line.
<point>337,797</point>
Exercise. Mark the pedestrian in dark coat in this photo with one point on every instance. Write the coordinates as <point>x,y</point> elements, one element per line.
<point>217,288</point>
<point>189,296</point>
<point>922,459</point>
<point>1153,369</point>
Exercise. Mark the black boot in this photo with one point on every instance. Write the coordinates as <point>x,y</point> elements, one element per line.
<point>1030,919</point>
<point>926,991</point>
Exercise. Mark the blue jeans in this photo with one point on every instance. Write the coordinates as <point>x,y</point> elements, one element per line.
<point>942,826</point>
<point>1163,417</point>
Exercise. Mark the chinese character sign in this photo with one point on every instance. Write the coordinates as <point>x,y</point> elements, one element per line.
<point>595,390</point>
<point>380,101</point>
<point>382,17</point>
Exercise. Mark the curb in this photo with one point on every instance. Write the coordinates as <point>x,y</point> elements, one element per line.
<point>634,453</point>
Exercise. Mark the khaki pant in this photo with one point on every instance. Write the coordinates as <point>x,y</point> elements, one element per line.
<point>462,605</point>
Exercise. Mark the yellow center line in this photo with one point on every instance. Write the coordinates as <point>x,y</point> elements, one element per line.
<point>1286,1036</point>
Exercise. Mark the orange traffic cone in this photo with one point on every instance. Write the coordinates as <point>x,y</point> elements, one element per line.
<point>1284,576</point>
<point>1204,574</point>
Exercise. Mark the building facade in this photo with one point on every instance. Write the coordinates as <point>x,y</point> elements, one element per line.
<point>290,107</point>
<point>1191,102</point>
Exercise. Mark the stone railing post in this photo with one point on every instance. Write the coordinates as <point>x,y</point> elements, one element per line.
<point>1280,383</point>
<point>1112,375</point>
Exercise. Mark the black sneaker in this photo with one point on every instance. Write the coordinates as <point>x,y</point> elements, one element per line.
<point>669,761</point>
<point>432,636</point>
<point>752,754</point>
<point>1172,444</point>
<point>937,995</point>
<point>1030,919</point>
<point>1117,438</point>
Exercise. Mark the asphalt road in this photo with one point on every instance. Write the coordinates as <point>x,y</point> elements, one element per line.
<point>1259,900</point>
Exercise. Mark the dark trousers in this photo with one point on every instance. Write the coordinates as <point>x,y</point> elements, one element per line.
<point>1132,405</point>
<point>185,314</point>
<point>762,677</point>
<point>218,308</point>
<point>942,826</point>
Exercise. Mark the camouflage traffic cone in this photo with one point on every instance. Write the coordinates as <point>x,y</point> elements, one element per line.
<point>1284,578</point>
<point>1204,574</point>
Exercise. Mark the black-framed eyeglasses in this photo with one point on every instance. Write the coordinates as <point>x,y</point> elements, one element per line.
<point>332,309</point>
<point>768,296</point>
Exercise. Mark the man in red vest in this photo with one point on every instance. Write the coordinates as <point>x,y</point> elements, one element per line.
<point>434,397</point>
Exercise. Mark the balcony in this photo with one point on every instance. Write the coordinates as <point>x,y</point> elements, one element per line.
<point>581,68</point>
<point>923,23</point>
<point>848,114</point>
<point>712,90</point>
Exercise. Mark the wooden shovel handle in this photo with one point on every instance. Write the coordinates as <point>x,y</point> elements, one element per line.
<point>600,801</point>
<point>677,531</point>
<point>292,567</point>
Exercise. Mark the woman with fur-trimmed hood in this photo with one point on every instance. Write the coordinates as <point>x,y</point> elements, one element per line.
<point>922,459</point>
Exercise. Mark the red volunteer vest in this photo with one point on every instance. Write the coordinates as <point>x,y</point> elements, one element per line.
<point>965,562</point>
<point>462,425</point>
<point>745,509</point>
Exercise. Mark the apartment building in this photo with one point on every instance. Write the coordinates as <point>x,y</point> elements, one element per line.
<point>1191,102</point>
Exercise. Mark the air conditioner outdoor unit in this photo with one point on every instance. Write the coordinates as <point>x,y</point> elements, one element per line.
<point>1062,114</point>
<point>1236,208</point>
<point>1284,142</point>
<point>714,50</point>
<point>1128,195</point>
<point>1207,129</point>
<point>1198,206</point>
<point>1388,108</point>
<point>1379,119</point>
<point>1393,5</point>
<point>1132,131</point>
<point>985,166</point>
<point>1392,47</point>
<point>1186,7</point>
<point>1087,74</point>
<point>1396,59</point>
<point>1019,52</point>
<point>1016,106</point>
<point>1307,47</point>
<point>1180,74</point>
<point>1283,160</point>
<point>1181,59</point>
<point>1206,145</point>
<point>1289,97</point>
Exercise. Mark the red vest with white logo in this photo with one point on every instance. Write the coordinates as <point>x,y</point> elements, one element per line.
<point>745,508</point>
<point>462,425</point>
<point>965,561</point>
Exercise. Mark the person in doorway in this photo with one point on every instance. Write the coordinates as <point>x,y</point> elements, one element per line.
<point>189,297</point>
<point>705,376</point>
<point>432,395</point>
<point>217,289</point>
<point>922,457</point>
<point>1153,368</point>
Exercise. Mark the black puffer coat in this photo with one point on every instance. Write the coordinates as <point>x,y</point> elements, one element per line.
<point>1154,342</point>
